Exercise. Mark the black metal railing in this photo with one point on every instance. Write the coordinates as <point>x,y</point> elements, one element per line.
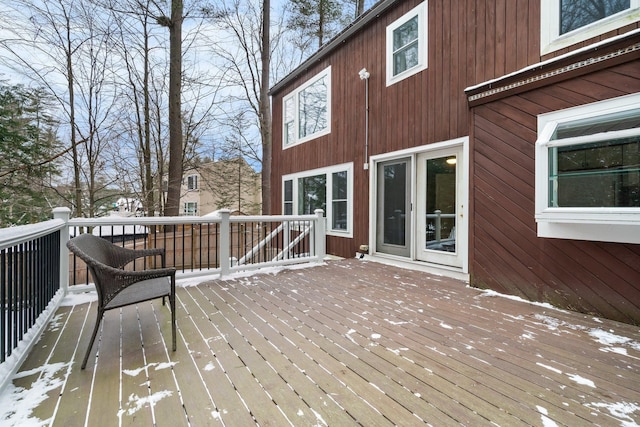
<point>29,279</point>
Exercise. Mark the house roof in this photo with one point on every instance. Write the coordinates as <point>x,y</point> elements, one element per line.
<point>361,22</point>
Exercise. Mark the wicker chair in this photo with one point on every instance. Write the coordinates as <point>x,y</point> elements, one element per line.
<point>118,287</point>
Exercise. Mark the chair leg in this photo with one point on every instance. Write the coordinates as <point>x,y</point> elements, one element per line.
<point>93,337</point>
<point>172,304</point>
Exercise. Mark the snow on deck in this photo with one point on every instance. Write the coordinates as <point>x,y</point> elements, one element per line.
<point>346,343</point>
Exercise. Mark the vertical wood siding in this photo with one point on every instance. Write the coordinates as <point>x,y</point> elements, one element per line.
<point>470,41</point>
<point>592,277</point>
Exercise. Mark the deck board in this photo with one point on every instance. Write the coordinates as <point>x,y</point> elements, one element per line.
<point>345,343</point>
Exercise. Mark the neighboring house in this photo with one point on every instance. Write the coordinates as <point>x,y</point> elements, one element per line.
<point>225,184</point>
<point>496,141</point>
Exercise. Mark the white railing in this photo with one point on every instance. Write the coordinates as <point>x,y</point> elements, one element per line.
<point>36,269</point>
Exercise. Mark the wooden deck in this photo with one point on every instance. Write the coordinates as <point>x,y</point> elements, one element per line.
<point>345,343</point>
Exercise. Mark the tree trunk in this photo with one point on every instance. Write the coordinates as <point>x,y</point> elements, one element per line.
<point>265,108</point>
<point>175,116</point>
<point>72,123</point>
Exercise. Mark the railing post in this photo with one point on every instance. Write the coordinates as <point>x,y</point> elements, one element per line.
<point>64,214</point>
<point>320,235</point>
<point>225,242</point>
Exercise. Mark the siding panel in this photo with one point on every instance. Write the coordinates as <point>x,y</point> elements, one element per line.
<point>594,277</point>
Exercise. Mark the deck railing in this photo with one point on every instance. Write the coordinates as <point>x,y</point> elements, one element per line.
<point>37,270</point>
<point>29,279</point>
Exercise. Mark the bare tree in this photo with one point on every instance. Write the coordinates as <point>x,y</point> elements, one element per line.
<point>63,43</point>
<point>246,47</point>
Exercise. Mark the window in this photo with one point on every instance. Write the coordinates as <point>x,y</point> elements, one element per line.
<point>190,208</point>
<point>329,189</point>
<point>588,171</point>
<point>192,182</point>
<point>288,197</point>
<point>407,45</point>
<point>566,22</point>
<point>339,200</point>
<point>306,111</point>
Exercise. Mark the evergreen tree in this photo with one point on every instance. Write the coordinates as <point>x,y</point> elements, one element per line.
<point>316,20</point>
<point>27,141</point>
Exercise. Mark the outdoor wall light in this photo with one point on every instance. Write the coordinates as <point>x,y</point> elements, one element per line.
<point>364,74</point>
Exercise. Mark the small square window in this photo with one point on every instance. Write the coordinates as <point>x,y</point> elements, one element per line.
<point>190,208</point>
<point>192,182</point>
<point>407,45</point>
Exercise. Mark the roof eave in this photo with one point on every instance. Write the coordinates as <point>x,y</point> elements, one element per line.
<point>374,13</point>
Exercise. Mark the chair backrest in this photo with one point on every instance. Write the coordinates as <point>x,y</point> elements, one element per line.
<point>92,249</point>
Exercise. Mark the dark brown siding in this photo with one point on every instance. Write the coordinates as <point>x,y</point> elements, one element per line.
<point>593,277</point>
<point>470,42</point>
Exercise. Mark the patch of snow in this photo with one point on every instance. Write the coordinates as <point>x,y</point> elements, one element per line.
<point>136,403</point>
<point>581,380</point>
<point>210,367</point>
<point>348,335</point>
<point>491,293</point>
<point>394,323</point>
<point>444,325</point>
<point>157,366</point>
<point>319,418</point>
<point>375,336</point>
<point>546,421</point>
<point>165,365</point>
<point>609,338</point>
<point>17,403</point>
<point>619,410</point>
<point>618,350</point>
<point>72,298</point>
<point>397,351</point>
<point>557,371</point>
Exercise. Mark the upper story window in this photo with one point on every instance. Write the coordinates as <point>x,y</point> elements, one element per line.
<point>192,182</point>
<point>566,22</point>
<point>329,189</point>
<point>407,45</point>
<point>307,110</point>
<point>588,172</point>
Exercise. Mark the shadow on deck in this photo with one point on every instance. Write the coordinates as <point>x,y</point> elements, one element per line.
<point>346,343</point>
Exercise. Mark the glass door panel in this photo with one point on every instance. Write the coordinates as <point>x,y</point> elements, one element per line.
<point>440,188</point>
<point>440,198</point>
<point>394,207</point>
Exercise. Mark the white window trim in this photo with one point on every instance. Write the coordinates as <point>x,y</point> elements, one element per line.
<point>296,111</point>
<point>421,11</point>
<point>328,171</point>
<point>599,224</point>
<point>551,40</point>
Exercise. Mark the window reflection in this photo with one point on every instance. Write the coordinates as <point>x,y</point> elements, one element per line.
<point>578,13</point>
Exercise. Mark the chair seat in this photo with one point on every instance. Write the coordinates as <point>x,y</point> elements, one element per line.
<point>141,291</point>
